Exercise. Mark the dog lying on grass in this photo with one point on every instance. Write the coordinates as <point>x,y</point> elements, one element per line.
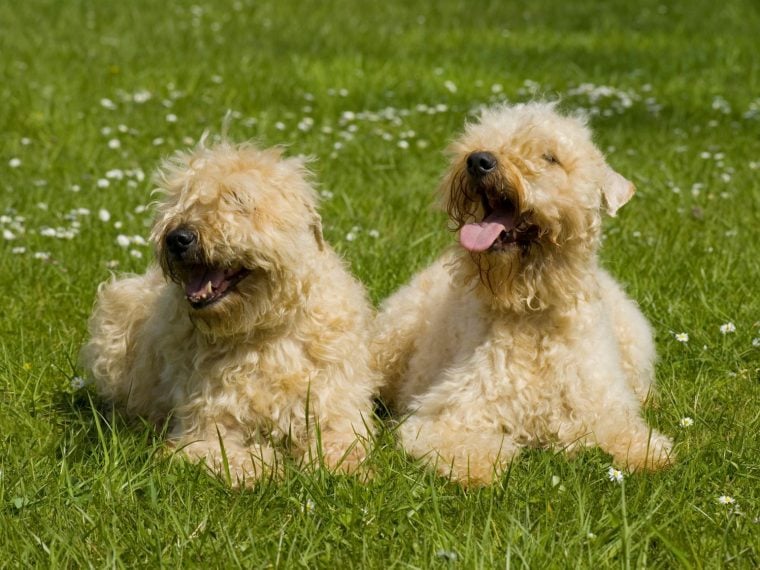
<point>516,336</point>
<point>249,333</point>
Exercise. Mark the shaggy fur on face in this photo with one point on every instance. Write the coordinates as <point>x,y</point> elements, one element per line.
<point>249,333</point>
<point>516,336</point>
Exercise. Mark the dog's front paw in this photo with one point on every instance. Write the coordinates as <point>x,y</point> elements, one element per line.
<point>239,466</point>
<point>471,471</point>
<point>342,455</point>
<point>651,454</point>
<point>470,458</point>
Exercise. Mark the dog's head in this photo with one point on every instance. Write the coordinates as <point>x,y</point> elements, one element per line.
<point>234,223</point>
<point>525,181</point>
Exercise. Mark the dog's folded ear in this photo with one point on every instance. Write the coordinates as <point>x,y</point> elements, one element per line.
<point>316,227</point>
<point>617,190</point>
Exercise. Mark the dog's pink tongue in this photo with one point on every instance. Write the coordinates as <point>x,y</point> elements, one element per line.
<point>477,237</point>
<point>197,285</point>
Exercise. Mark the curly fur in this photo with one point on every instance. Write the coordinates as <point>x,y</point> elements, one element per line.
<point>279,364</point>
<point>532,344</point>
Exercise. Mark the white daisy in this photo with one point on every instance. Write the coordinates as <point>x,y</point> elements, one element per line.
<point>77,383</point>
<point>615,475</point>
<point>727,328</point>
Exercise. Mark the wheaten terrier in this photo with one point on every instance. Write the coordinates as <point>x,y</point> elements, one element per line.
<point>251,336</point>
<point>516,336</point>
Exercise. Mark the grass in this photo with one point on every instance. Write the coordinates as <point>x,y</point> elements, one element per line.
<point>76,490</point>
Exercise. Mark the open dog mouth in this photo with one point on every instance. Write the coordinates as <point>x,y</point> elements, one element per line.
<point>207,285</point>
<point>502,227</point>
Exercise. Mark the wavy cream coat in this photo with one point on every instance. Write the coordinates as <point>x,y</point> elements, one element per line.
<point>273,368</point>
<point>486,353</point>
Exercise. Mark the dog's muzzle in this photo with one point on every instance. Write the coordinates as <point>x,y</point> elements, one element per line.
<point>503,224</point>
<point>205,282</point>
<point>181,241</point>
<point>480,164</point>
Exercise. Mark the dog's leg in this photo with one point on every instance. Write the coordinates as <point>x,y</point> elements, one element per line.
<point>456,450</point>
<point>603,405</point>
<point>397,327</point>
<point>631,442</point>
<point>615,423</point>
<point>120,355</point>
<point>339,451</point>
<point>402,320</point>
<point>634,335</point>
<point>226,454</point>
<point>337,438</point>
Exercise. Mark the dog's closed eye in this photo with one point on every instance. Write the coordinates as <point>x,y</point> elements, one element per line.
<point>551,158</point>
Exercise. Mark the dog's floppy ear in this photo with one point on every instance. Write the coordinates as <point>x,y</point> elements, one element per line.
<point>617,190</point>
<point>309,199</point>
<point>316,227</point>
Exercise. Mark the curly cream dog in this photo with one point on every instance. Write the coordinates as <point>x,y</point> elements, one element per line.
<point>251,335</point>
<point>516,336</point>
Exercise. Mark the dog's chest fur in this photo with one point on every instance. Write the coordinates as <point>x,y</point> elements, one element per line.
<point>520,367</point>
<point>259,385</point>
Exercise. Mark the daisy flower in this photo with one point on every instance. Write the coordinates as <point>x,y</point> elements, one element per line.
<point>615,475</point>
<point>448,555</point>
<point>77,383</point>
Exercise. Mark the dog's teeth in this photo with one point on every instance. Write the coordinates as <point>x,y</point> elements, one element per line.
<point>209,289</point>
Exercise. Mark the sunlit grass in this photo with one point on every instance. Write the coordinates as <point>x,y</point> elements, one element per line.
<point>93,95</point>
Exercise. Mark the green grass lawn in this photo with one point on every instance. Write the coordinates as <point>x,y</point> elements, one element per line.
<point>94,94</point>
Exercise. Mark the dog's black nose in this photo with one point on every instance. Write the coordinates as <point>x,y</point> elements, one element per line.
<point>480,163</point>
<point>180,240</point>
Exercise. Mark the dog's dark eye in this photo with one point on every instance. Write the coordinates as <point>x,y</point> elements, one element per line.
<point>550,158</point>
